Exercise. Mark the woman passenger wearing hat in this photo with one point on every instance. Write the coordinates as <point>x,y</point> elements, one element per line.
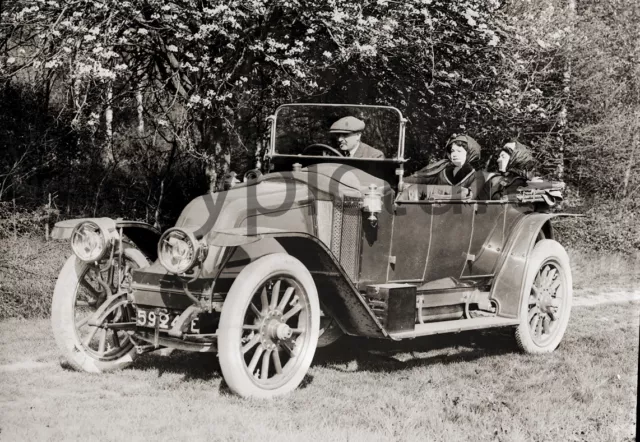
<point>515,165</point>
<point>456,170</point>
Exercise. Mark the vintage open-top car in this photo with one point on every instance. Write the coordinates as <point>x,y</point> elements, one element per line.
<point>318,246</point>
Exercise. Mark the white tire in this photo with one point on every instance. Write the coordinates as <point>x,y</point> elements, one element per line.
<point>87,348</point>
<point>546,307</point>
<point>269,327</point>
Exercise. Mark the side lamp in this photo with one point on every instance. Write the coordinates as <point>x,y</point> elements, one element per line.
<point>372,203</point>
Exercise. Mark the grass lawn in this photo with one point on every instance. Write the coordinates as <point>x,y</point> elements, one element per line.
<point>468,386</point>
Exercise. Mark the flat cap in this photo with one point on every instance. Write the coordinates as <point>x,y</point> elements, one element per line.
<point>347,125</point>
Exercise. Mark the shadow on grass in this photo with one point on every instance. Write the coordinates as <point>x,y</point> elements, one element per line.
<point>191,365</point>
<point>381,355</point>
<point>369,354</point>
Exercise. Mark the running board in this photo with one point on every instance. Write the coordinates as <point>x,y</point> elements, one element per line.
<point>435,328</point>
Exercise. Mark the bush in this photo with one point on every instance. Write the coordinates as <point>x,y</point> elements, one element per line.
<point>24,222</point>
<point>29,268</point>
<point>607,226</point>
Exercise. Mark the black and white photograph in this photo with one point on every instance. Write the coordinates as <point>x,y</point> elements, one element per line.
<point>331,220</point>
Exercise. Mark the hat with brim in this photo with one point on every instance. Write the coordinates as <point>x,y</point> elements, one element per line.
<point>347,125</point>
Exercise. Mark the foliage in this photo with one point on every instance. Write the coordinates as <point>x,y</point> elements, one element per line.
<point>606,226</point>
<point>606,98</point>
<point>131,108</point>
<point>29,268</point>
<point>210,73</point>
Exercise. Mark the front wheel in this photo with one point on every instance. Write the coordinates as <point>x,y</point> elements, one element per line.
<point>80,290</point>
<point>269,327</point>
<point>546,306</point>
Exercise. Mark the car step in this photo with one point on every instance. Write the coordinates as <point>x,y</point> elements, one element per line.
<point>459,325</point>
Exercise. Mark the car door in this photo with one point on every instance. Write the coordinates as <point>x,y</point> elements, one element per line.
<point>430,240</point>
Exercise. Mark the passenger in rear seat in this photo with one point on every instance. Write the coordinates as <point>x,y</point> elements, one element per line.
<point>515,169</point>
<point>458,169</point>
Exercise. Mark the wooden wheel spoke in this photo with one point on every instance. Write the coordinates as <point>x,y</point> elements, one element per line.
<point>546,325</point>
<point>251,327</point>
<point>89,337</point>
<point>252,342</point>
<point>534,324</point>
<point>103,341</point>
<point>95,294</point>
<point>533,300</point>
<point>255,359</point>
<point>294,310</point>
<point>289,346</point>
<point>276,361</point>
<point>552,274</point>
<point>255,311</point>
<point>532,313</point>
<point>536,290</point>
<point>82,322</point>
<point>285,298</point>
<point>264,371</point>
<point>275,293</point>
<point>538,330</point>
<point>545,275</point>
<point>264,300</point>
<point>554,287</point>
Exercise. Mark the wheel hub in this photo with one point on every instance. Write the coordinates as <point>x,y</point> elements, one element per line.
<point>546,302</point>
<point>274,330</point>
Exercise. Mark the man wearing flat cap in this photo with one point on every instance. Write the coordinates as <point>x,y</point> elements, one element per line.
<point>349,131</point>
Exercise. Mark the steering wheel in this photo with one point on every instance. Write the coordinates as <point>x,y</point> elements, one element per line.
<point>252,174</point>
<point>325,150</point>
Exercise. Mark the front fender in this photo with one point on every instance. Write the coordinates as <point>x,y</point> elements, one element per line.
<point>143,235</point>
<point>508,286</point>
<point>338,295</point>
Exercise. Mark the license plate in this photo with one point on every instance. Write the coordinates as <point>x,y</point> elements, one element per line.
<point>163,319</point>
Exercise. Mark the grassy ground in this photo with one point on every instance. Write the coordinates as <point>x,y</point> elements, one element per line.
<point>595,271</point>
<point>465,387</point>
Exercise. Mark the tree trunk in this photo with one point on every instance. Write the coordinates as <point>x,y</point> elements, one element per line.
<point>174,148</point>
<point>562,117</point>
<point>108,118</point>
<point>140,111</point>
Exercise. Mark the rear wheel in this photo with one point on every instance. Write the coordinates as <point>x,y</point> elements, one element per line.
<point>80,290</point>
<point>546,308</point>
<point>330,331</point>
<point>269,326</point>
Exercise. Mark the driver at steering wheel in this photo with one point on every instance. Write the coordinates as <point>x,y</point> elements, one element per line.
<point>349,130</point>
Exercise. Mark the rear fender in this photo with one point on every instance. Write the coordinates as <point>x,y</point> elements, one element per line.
<point>143,235</point>
<point>338,295</point>
<point>508,286</point>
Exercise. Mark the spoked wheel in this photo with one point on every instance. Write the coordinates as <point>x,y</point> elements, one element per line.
<point>269,326</point>
<point>547,305</point>
<point>81,289</point>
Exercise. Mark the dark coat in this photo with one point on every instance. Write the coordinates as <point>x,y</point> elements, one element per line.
<point>441,172</point>
<point>518,172</point>
<point>366,151</point>
<point>502,184</point>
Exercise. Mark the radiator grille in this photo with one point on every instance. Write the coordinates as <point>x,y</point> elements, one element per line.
<point>350,237</point>
<point>336,228</point>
